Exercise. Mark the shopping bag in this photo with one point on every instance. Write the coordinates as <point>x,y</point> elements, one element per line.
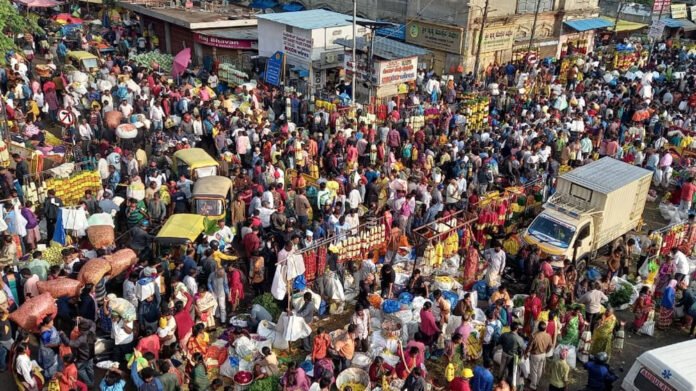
<point>525,367</point>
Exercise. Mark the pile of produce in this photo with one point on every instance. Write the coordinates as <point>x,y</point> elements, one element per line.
<point>621,296</point>
<point>267,384</point>
<point>165,61</point>
<point>71,189</point>
<point>52,255</point>
<point>518,302</point>
<point>353,386</point>
<point>268,302</point>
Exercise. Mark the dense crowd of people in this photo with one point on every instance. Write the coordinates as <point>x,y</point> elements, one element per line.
<point>390,171</point>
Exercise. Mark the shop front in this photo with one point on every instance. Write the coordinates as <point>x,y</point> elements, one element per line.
<point>230,46</point>
<point>578,35</point>
<point>445,43</point>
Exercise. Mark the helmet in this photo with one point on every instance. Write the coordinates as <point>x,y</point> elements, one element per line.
<point>214,244</point>
<point>145,223</point>
<point>602,357</point>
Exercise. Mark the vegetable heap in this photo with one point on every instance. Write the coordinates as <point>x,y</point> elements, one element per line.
<point>268,302</point>
<point>518,302</point>
<point>266,384</point>
<point>621,296</point>
<point>165,61</point>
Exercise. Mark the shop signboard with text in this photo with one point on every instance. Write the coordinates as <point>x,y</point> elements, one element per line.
<point>498,38</point>
<point>225,43</point>
<point>661,6</point>
<point>396,71</point>
<point>678,11</point>
<point>298,45</point>
<point>435,36</point>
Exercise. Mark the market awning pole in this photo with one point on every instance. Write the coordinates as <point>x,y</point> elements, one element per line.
<point>480,40</point>
<point>355,37</point>
<point>618,12</point>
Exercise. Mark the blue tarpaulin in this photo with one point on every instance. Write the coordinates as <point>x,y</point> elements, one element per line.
<point>292,7</point>
<point>263,4</point>
<point>588,24</point>
<point>673,23</point>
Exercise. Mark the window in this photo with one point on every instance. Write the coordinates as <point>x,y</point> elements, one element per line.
<point>528,6</point>
<point>584,232</point>
<point>580,192</point>
<point>207,207</point>
<point>288,28</point>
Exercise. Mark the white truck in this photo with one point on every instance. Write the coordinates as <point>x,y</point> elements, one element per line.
<point>593,205</point>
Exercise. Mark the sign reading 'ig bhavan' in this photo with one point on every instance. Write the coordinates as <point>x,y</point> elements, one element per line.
<point>435,36</point>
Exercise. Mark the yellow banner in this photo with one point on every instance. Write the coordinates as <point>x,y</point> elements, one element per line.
<point>678,11</point>
<point>498,38</point>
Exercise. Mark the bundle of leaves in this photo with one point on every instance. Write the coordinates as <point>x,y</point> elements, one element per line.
<point>268,302</point>
<point>267,384</point>
<point>12,23</point>
<point>621,296</point>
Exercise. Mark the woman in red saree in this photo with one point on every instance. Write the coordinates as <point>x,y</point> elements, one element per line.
<point>234,280</point>
<point>184,322</point>
<point>532,309</point>
<point>471,256</point>
<point>408,361</point>
<point>558,284</point>
<point>642,308</point>
<point>428,327</point>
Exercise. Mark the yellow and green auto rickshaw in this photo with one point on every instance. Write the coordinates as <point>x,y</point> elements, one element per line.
<point>84,61</point>
<point>195,163</point>
<point>211,196</point>
<point>178,231</point>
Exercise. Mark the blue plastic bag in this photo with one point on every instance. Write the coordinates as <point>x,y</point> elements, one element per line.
<point>481,289</point>
<point>300,283</point>
<point>405,298</point>
<point>593,274</point>
<point>451,297</point>
<point>323,307</point>
<point>390,306</point>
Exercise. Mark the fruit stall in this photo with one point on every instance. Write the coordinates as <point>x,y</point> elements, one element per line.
<point>70,181</point>
<point>475,110</point>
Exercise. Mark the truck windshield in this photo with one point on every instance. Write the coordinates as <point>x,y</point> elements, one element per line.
<point>549,230</point>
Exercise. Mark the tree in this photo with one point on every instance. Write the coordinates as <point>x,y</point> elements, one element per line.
<point>12,23</point>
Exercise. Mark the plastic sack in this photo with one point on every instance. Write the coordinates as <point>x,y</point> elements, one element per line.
<point>571,360</point>
<point>361,360</point>
<point>244,347</point>
<point>405,298</point>
<point>122,307</point>
<point>93,271</point>
<point>390,306</point>
<point>617,283</point>
<point>498,356</point>
<point>126,131</point>
<point>648,328</point>
<point>266,330</point>
<point>337,292</point>
<point>451,297</point>
<point>100,236</point>
<point>294,327</point>
<point>403,316</point>
<point>61,287</point>
<point>390,359</point>
<point>230,367</point>
<point>593,274</point>
<point>29,314</point>
<point>417,303</point>
<point>298,299</point>
<point>121,261</point>
<point>525,367</point>
<point>479,315</point>
<point>481,289</point>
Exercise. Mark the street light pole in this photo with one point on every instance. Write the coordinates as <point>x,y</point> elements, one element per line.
<point>618,12</point>
<point>355,40</point>
<point>480,40</point>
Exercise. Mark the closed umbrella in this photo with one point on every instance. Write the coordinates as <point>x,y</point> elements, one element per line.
<point>181,62</point>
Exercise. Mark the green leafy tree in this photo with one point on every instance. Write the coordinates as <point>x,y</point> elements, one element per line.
<point>12,23</point>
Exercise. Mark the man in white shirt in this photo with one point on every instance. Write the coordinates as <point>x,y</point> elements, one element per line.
<point>265,213</point>
<point>122,334</point>
<point>126,109</point>
<point>85,130</point>
<point>496,265</point>
<point>157,116</point>
<point>224,233</point>
<point>681,265</point>
<point>190,282</point>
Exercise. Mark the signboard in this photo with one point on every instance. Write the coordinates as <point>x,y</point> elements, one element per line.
<point>678,11</point>
<point>274,69</point>
<point>498,38</point>
<point>435,36</point>
<point>361,71</point>
<point>656,29</point>
<point>661,6</point>
<point>396,71</point>
<point>397,32</point>
<point>692,11</point>
<point>225,43</point>
<point>297,46</point>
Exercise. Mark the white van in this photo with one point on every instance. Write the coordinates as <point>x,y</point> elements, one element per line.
<point>669,368</point>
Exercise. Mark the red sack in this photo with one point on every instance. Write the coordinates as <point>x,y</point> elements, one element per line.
<point>61,287</point>
<point>94,270</point>
<point>29,315</point>
<point>113,118</point>
<point>121,261</point>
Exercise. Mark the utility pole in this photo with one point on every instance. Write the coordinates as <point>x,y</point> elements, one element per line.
<point>618,12</point>
<point>480,40</point>
<point>531,34</point>
<point>653,40</point>
<point>355,40</point>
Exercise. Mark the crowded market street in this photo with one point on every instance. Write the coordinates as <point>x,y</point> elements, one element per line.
<point>261,197</point>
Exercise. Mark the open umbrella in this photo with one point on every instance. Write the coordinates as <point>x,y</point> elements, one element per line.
<point>65,18</point>
<point>181,62</point>
<point>39,3</point>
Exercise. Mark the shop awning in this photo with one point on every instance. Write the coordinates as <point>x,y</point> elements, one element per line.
<point>672,23</point>
<point>623,25</point>
<point>385,48</point>
<point>262,4</point>
<point>588,24</point>
<point>39,3</point>
<point>292,7</point>
<point>687,25</point>
<point>302,72</point>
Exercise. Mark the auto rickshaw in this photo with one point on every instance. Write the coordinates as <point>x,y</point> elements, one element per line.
<point>195,163</point>
<point>178,231</point>
<point>86,60</point>
<point>211,196</point>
